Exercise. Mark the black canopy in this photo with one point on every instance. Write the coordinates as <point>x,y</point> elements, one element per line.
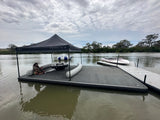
<point>53,44</point>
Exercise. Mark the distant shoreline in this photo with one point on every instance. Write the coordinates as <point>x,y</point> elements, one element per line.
<point>6,51</point>
<point>9,52</point>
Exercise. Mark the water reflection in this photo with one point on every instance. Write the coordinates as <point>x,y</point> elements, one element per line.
<point>0,69</point>
<point>37,101</point>
<point>31,59</point>
<point>77,103</point>
<point>94,105</point>
<point>145,61</point>
<point>88,59</point>
<point>149,61</point>
<point>96,58</point>
<point>52,101</point>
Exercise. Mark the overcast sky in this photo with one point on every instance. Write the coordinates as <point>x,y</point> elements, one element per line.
<point>77,21</point>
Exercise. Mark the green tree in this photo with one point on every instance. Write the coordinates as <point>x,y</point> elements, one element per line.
<point>157,44</point>
<point>141,44</point>
<point>95,45</point>
<point>150,39</point>
<point>88,47</point>
<point>12,47</point>
<point>122,44</point>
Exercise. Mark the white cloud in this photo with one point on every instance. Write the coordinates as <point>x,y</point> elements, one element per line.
<point>76,16</point>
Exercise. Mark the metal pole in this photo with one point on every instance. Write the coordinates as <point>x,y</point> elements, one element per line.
<point>145,79</point>
<point>81,57</point>
<point>51,58</point>
<point>69,64</point>
<point>18,65</point>
<point>137,62</point>
<point>117,59</point>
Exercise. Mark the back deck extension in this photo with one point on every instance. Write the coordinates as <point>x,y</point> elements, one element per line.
<point>92,76</point>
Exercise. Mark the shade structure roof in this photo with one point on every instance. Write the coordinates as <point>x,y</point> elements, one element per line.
<point>53,44</point>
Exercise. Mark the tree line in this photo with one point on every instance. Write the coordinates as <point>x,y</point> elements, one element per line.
<point>149,44</point>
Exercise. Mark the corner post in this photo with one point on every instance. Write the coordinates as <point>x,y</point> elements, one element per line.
<point>145,79</point>
<point>69,63</point>
<point>17,64</point>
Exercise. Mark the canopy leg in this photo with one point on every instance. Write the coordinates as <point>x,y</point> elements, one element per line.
<point>18,65</point>
<point>69,66</point>
<point>51,58</point>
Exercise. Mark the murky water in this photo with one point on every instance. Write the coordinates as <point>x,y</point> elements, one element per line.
<point>32,101</point>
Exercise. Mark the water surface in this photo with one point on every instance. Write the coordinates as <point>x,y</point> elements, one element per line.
<point>28,101</point>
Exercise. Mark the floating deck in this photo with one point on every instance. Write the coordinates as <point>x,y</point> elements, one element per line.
<point>152,80</point>
<point>92,76</point>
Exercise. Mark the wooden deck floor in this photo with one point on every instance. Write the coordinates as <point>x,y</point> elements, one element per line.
<point>92,76</point>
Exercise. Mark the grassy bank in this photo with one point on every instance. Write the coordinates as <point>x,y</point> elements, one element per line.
<point>6,51</point>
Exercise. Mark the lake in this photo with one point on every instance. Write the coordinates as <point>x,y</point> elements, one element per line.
<point>28,101</point>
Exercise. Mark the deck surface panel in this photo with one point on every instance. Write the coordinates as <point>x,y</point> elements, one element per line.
<point>92,76</point>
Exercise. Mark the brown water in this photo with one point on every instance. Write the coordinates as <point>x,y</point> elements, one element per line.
<point>32,101</point>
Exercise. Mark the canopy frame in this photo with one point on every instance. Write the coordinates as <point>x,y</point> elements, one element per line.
<point>48,49</point>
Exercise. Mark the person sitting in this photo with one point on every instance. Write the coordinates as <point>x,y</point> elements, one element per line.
<point>37,70</point>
